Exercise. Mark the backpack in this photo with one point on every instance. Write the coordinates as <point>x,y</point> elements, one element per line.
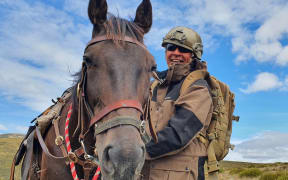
<point>220,129</point>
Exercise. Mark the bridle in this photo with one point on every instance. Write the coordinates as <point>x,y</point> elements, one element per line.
<point>95,119</point>
<point>91,161</point>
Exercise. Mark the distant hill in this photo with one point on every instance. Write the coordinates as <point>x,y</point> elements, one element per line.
<point>11,135</point>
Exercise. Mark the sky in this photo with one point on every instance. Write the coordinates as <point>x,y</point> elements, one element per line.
<point>245,46</point>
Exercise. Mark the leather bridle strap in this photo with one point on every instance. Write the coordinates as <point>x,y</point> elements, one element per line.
<point>123,120</point>
<point>125,38</point>
<point>44,147</point>
<point>117,105</point>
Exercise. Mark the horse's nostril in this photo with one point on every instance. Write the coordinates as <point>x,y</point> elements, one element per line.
<point>106,153</point>
<point>107,164</point>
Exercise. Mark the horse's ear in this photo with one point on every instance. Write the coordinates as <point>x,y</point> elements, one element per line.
<point>143,16</point>
<point>97,11</point>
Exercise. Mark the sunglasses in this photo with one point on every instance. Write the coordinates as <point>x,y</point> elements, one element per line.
<point>173,47</point>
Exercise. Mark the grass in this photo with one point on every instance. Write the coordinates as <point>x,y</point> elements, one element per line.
<point>236,171</point>
<point>251,172</point>
<point>255,171</point>
<point>8,147</point>
<point>282,175</point>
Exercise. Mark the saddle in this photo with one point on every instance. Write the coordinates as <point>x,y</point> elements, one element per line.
<point>42,122</point>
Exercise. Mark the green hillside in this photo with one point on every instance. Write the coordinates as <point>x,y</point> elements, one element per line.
<point>8,146</point>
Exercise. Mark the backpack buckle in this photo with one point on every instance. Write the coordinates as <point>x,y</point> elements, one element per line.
<point>232,146</point>
<point>212,136</point>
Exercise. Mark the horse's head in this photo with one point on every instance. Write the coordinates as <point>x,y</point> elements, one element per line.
<point>116,67</point>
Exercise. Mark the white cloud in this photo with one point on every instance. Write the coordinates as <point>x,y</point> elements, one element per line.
<point>274,27</point>
<point>266,147</point>
<point>267,45</point>
<point>255,31</point>
<point>77,7</point>
<point>285,87</point>
<point>43,46</point>
<point>3,128</point>
<point>264,82</point>
<point>282,58</point>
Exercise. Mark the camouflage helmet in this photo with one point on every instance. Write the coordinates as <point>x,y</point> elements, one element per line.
<point>185,37</point>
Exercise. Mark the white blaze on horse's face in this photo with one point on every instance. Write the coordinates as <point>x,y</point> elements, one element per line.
<point>119,71</point>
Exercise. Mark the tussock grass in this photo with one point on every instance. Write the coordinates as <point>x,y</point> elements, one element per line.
<point>221,170</point>
<point>283,175</point>
<point>251,172</point>
<point>236,171</point>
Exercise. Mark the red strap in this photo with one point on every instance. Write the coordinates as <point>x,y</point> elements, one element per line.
<point>79,151</point>
<point>117,105</point>
<point>68,145</point>
<point>97,173</point>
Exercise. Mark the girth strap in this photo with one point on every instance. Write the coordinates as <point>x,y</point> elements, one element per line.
<point>123,120</point>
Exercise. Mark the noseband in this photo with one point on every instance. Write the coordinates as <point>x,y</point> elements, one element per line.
<point>95,119</point>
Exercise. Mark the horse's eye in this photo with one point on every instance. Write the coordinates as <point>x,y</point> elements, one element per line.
<point>88,61</point>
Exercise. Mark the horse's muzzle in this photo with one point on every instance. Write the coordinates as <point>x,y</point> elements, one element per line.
<point>123,159</point>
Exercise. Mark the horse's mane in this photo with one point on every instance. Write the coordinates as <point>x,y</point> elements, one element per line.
<point>115,28</point>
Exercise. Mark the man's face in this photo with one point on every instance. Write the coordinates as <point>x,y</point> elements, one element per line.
<point>177,55</point>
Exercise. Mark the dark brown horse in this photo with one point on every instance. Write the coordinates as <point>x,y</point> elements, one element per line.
<point>112,89</point>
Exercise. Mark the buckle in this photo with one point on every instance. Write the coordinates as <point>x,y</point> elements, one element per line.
<point>72,157</point>
<point>59,140</point>
<point>142,127</point>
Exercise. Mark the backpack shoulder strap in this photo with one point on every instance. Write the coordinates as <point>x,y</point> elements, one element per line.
<point>193,77</point>
<point>153,85</point>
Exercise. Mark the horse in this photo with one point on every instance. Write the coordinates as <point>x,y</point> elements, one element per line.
<point>104,125</point>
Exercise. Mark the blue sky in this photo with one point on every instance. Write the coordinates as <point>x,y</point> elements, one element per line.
<point>245,46</point>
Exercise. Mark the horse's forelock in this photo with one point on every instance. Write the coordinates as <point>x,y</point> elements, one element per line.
<point>118,28</point>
